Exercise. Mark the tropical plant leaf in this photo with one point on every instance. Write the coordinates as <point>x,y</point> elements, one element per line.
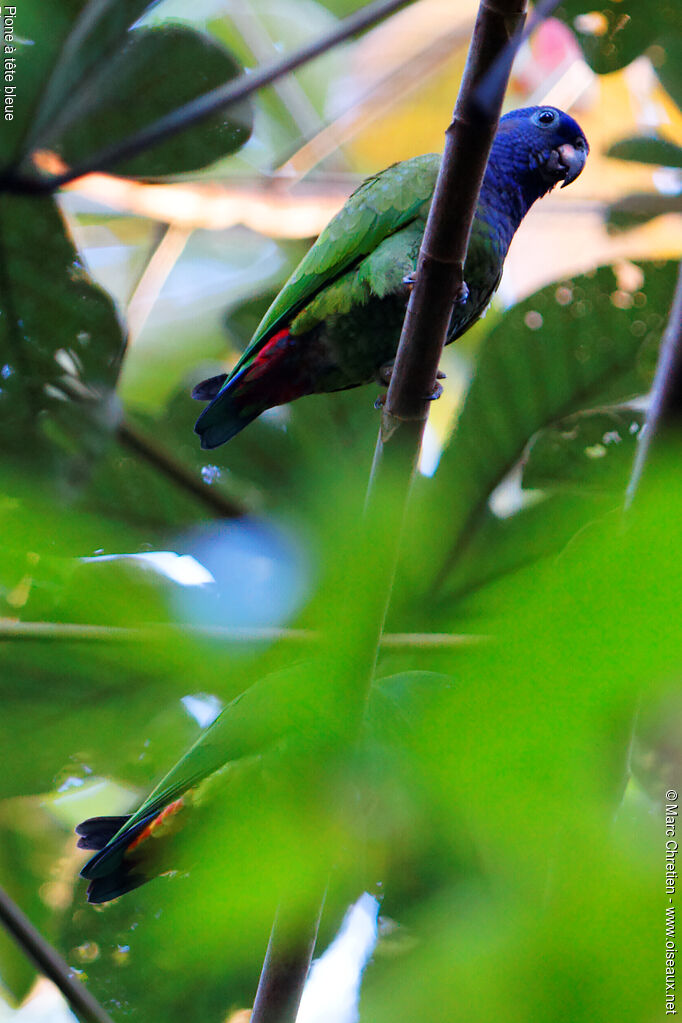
<point>616,32</point>
<point>588,450</point>
<point>639,208</point>
<point>89,80</point>
<point>96,34</point>
<point>534,369</point>
<point>37,41</point>
<point>155,72</point>
<point>60,340</point>
<point>647,149</point>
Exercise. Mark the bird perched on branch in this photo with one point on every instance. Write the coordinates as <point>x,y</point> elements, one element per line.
<point>336,322</point>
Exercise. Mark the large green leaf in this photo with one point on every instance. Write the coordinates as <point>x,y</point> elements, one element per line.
<point>590,450</point>
<point>639,208</point>
<point>647,149</point>
<point>156,71</point>
<point>613,33</point>
<point>573,345</point>
<point>95,36</point>
<point>60,340</point>
<point>86,80</point>
<point>38,40</point>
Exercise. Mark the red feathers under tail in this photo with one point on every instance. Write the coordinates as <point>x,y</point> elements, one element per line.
<point>263,383</point>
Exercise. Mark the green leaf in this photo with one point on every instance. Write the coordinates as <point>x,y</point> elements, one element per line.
<point>155,72</point>
<point>60,340</point>
<point>38,41</point>
<point>647,149</point>
<point>573,345</point>
<point>95,36</point>
<point>614,33</point>
<point>589,450</point>
<point>398,702</point>
<point>505,552</point>
<point>639,208</point>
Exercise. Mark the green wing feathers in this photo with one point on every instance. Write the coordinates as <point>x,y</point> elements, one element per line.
<point>381,206</point>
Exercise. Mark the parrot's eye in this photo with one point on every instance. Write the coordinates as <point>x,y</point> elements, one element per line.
<point>546,117</point>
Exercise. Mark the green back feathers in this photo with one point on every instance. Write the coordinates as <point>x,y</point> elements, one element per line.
<point>377,209</point>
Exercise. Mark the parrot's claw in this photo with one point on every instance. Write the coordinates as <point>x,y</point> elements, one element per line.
<point>409,280</point>
<point>462,294</point>
<point>436,392</point>
<point>384,377</point>
<point>384,373</point>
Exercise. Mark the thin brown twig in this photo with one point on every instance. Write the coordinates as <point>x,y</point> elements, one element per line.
<point>77,632</point>
<point>49,962</point>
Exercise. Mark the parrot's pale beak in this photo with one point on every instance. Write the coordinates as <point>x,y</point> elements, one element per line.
<point>566,162</point>
<point>573,160</point>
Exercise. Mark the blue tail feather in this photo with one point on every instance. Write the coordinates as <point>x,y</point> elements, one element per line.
<point>228,413</point>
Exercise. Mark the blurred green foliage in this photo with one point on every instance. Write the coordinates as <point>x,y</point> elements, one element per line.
<point>476,781</point>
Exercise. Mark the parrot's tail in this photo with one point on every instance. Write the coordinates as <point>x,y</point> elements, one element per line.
<point>237,401</point>
<point>119,864</point>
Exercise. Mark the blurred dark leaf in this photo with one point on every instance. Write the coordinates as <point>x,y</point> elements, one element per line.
<point>60,340</point>
<point>614,33</point>
<point>574,345</point>
<point>668,64</point>
<point>96,35</point>
<point>156,71</point>
<point>243,319</point>
<point>639,208</point>
<point>647,149</point>
<point>589,450</point>
<point>39,41</point>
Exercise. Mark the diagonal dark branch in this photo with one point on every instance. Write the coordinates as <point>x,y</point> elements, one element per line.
<point>285,969</point>
<point>49,962</point>
<point>666,393</point>
<point>485,94</point>
<point>161,459</point>
<point>202,107</point>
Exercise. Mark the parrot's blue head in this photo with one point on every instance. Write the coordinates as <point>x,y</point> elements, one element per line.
<point>542,146</point>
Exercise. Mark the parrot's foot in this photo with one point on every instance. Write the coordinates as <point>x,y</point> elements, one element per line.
<point>384,373</point>
<point>435,393</point>
<point>462,294</point>
<point>409,280</point>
